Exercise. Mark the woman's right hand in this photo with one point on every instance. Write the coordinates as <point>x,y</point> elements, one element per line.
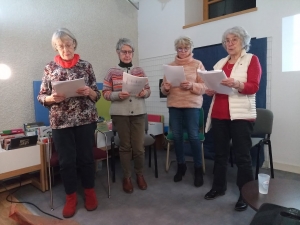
<point>167,86</point>
<point>123,95</point>
<point>57,98</point>
<point>210,92</point>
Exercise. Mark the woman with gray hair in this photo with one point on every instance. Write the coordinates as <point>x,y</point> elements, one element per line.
<point>232,117</point>
<point>73,120</point>
<point>128,114</point>
<point>184,103</point>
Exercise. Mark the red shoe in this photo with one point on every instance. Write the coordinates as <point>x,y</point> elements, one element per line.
<point>70,205</point>
<point>90,201</point>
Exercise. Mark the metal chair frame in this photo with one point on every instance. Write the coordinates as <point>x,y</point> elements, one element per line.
<point>107,161</point>
<point>261,136</point>
<point>263,127</point>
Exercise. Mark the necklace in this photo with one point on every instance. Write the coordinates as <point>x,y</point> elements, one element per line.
<point>229,67</point>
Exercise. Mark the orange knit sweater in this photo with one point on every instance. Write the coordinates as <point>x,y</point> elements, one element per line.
<point>182,98</point>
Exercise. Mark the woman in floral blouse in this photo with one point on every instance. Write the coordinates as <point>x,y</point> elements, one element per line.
<point>73,120</point>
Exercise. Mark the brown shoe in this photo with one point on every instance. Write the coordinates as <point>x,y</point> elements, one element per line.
<point>127,185</point>
<point>141,182</point>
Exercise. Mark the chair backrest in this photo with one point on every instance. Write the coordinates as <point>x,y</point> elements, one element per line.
<point>103,108</point>
<point>263,123</point>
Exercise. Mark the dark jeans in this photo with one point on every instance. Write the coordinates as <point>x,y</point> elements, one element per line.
<point>186,119</point>
<point>74,146</point>
<point>239,131</point>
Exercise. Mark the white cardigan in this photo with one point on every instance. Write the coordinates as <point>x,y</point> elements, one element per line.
<point>241,106</point>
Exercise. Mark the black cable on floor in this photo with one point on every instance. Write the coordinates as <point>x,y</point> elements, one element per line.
<point>29,203</point>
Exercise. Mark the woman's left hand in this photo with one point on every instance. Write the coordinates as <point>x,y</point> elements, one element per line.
<point>142,94</point>
<point>85,91</point>
<point>230,82</point>
<point>186,85</point>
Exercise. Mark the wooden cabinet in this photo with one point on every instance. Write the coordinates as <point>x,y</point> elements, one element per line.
<point>23,162</point>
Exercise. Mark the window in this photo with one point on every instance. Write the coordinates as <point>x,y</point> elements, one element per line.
<point>217,8</point>
<point>291,43</point>
<point>212,10</point>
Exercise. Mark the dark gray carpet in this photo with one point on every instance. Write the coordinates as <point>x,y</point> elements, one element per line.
<point>164,202</point>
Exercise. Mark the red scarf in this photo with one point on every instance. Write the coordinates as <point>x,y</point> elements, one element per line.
<point>66,64</point>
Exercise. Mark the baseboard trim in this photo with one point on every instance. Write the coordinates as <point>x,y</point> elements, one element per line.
<point>283,167</point>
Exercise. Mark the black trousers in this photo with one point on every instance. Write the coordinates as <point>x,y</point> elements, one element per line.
<point>239,131</point>
<point>74,146</point>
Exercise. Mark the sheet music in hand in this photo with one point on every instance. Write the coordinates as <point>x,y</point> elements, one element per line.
<point>133,84</point>
<point>213,79</point>
<point>174,74</point>
<point>68,87</point>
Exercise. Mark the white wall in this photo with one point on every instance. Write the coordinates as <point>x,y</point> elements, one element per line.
<point>193,11</point>
<point>158,28</point>
<point>26,28</point>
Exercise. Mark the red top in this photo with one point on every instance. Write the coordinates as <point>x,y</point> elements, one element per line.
<point>221,105</point>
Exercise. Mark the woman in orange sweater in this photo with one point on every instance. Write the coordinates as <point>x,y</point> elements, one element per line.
<point>184,103</point>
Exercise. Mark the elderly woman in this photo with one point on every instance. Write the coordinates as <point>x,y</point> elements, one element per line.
<point>232,117</point>
<point>73,120</point>
<point>184,103</point>
<point>128,114</point>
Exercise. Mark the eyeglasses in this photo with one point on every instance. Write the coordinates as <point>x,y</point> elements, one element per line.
<point>126,52</point>
<point>183,49</point>
<point>231,41</point>
<point>66,46</point>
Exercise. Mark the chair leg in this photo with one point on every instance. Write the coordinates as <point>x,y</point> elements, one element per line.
<point>168,158</point>
<point>271,158</point>
<point>52,175</point>
<point>49,176</point>
<point>108,177</point>
<point>112,157</point>
<point>149,149</point>
<point>155,161</point>
<point>203,159</point>
<point>257,161</point>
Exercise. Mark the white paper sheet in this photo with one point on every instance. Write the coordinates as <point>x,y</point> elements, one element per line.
<point>212,80</point>
<point>174,75</point>
<point>68,87</point>
<point>133,84</point>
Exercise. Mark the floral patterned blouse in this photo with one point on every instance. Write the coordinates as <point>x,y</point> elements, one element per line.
<point>74,111</point>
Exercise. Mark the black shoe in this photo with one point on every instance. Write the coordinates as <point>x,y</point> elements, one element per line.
<point>212,194</point>
<point>181,168</point>
<point>198,180</point>
<point>240,205</point>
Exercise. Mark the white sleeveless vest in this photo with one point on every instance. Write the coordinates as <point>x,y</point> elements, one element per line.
<point>240,106</point>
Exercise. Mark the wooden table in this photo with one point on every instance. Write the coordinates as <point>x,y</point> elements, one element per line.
<point>281,192</point>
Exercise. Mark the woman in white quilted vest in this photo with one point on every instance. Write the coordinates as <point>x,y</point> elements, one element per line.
<point>231,117</point>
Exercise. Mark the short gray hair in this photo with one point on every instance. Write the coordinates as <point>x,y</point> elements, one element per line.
<point>61,33</point>
<point>241,33</point>
<point>124,41</point>
<point>183,40</point>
